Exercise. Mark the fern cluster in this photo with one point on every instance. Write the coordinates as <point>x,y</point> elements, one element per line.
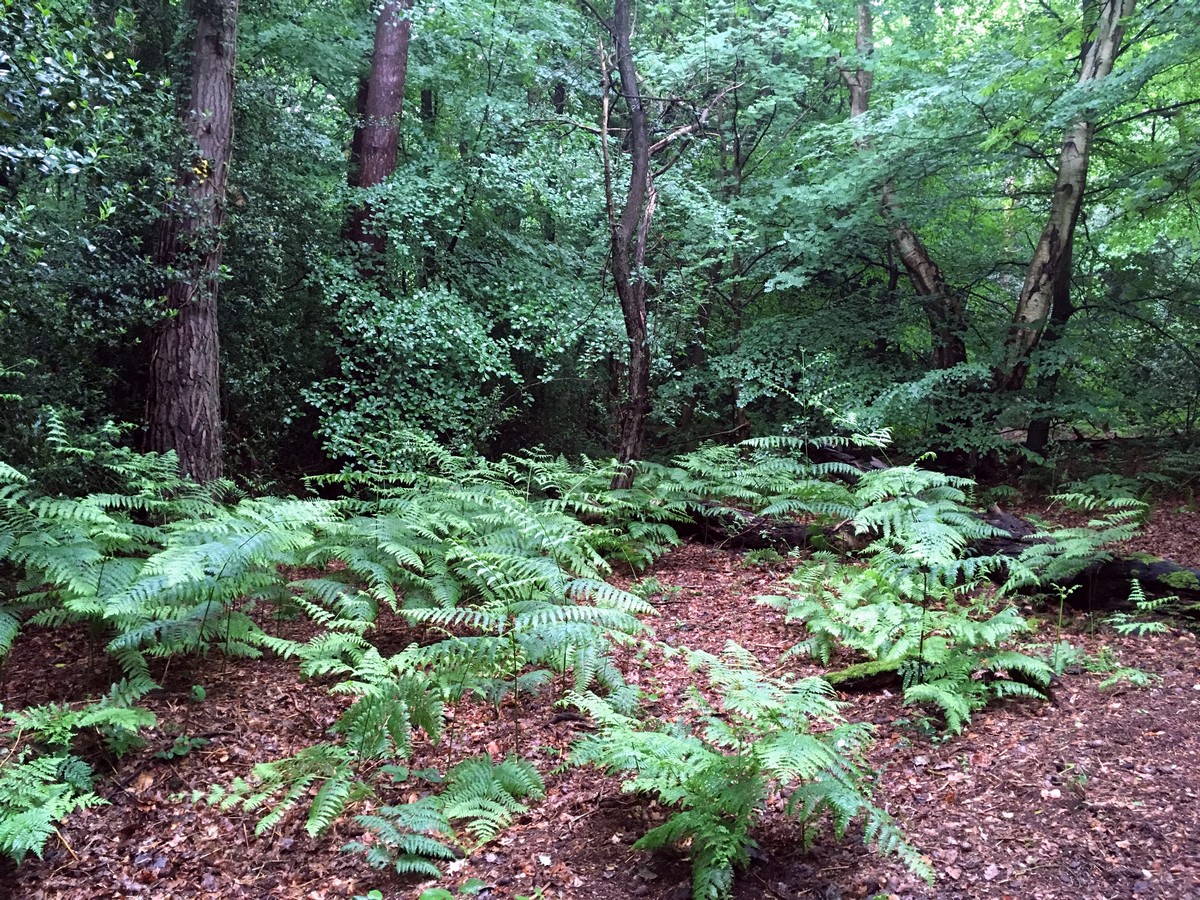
<point>504,564</point>
<point>917,605</point>
<point>478,796</point>
<point>765,737</point>
<point>44,774</point>
<point>477,800</point>
<point>1057,555</point>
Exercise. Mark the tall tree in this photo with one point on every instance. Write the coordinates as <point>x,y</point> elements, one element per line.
<point>377,133</point>
<point>1104,28</point>
<point>183,407</point>
<point>629,230</point>
<point>629,227</point>
<point>944,308</point>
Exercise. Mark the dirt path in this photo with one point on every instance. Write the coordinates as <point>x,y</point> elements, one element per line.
<point>1093,795</point>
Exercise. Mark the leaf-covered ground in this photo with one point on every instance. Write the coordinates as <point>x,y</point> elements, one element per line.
<point>1092,795</point>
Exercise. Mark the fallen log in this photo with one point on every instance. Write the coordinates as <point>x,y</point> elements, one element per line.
<point>739,530</point>
<point>1105,584</point>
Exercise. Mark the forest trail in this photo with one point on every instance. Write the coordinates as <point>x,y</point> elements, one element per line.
<point>1090,795</point>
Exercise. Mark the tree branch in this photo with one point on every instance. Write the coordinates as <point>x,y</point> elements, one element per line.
<point>1161,111</point>
<point>695,126</point>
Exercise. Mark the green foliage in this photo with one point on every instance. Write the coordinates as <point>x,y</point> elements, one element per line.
<point>1059,554</point>
<point>182,746</point>
<point>513,581</point>
<point>278,786</point>
<point>477,796</point>
<point>485,797</point>
<point>1132,623</point>
<point>1103,662</point>
<point>409,838</point>
<point>950,651</point>
<point>915,606</point>
<point>430,348</point>
<point>37,792</point>
<point>765,557</point>
<point>44,776</point>
<point>161,566</point>
<point>765,737</point>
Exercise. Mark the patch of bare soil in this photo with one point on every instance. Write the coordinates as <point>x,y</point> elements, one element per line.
<point>1092,795</point>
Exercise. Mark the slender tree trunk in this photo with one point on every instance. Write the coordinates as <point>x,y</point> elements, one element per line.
<point>377,136</point>
<point>428,105</point>
<point>944,309</point>
<point>628,235</point>
<point>1102,42</point>
<point>183,406</point>
<point>1061,311</point>
<point>629,229</point>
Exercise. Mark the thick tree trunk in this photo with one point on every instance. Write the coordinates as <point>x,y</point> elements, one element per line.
<point>944,309</point>
<point>629,232</point>
<point>377,135</point>
<point>1102,42</point>
<point>183,406</point>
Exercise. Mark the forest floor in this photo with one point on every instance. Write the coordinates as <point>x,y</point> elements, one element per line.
<point>1093,794</point>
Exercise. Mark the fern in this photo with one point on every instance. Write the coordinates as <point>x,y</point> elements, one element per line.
<point>43,779</point>
<point>770,736</point>
<point>36,793</point>
<point>402,838</point>
<point>485,797</point>
<point>912,609</point>
<point>1133,623</point>
<point>281,785</point>
<point>1057,555</point>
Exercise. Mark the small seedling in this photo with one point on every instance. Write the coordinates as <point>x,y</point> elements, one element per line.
<point>766,557</point>
<point>650,587</point>
<point>469,888</point>
<point>184,744</point>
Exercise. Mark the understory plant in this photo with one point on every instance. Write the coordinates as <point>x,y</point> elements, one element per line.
<point>949,650</point>
<point>721,765</point>
<point>46,763</point>
<point>917,604</point>
<point>1057,555</point>
<point>477,799</point>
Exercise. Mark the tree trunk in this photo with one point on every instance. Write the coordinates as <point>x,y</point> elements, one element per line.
<point>1101,44</point>
<point>184,406</point>
<point>377,135</point>
<point>1038,435</point>
<point>629,232</point>
<point>944,309</point>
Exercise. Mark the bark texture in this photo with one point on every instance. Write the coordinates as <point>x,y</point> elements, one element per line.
<point>183,404</point>
<point>1052,256</point>
<point>376,140</point>
<point>629,231</point>
<point>1063,308</point>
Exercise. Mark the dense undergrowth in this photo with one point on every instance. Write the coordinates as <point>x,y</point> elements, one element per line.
<point>502,566</point>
